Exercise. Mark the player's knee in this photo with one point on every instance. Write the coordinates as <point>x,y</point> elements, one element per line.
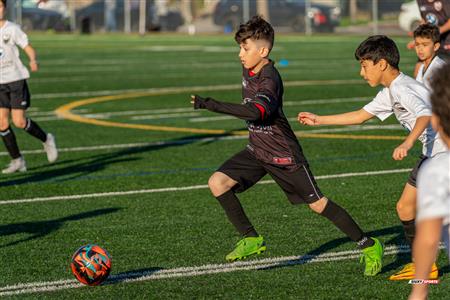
<point>405,210</point>
<point>4,125</point>
<point>218,184</point>
<point>20,123</point>
<point>319,205</point>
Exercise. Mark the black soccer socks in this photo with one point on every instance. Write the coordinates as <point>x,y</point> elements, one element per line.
<point>409,228</point>
<point>9,139</point>
<point>342,220</point>
<point>236,215</point>
<point>36,131</point>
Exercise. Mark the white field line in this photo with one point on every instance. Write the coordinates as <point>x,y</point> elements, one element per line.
<point>191,89</point>
<point>166,116</point>
<point>356,128</point>
<point>177,189</point>
<point>258,264</point>
<point>134,145</point>
<point>51,116</point>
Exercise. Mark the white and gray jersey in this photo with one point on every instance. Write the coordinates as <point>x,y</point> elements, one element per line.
<point>11,68</point>
<point>433,193</point>
<point>408,99</point>
<point>424,76</point>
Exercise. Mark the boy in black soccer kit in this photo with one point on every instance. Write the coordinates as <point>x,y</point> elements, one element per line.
<point>14,93</point>
<point>273,149</point>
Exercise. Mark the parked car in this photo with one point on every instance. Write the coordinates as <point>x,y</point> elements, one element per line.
<point>34,18</point>
<point>283,13</point>
<point>409,17</point>
<point>92,17</point>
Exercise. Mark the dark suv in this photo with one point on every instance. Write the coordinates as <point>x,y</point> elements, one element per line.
<point>282,13</point>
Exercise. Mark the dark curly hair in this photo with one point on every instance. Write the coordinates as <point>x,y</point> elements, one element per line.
<point>440,96</point>
<point>429,31</point>
<point>257,29</point>
<point>378,47</point>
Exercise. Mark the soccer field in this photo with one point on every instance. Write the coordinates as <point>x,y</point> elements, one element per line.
<point>135,159</point>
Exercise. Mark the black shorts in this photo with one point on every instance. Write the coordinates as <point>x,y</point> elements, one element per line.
<point>412,180</point>
<point>15,95</point>
<point>297,182</point>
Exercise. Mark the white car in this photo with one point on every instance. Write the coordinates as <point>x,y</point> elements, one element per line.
<point>409,17</point>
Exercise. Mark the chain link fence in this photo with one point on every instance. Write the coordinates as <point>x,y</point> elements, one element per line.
<point>196,16</point>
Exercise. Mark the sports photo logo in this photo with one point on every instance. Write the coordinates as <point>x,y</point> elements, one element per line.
<point>423,281</point>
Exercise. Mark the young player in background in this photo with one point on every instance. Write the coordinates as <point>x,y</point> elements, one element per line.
<point>14,93</point>
<point>409,101</point>
<point>426,40</point>
<point>433,189</point>
<point>273,149</point>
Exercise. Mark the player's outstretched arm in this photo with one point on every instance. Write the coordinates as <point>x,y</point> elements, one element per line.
<point>350,118</point>
<point>402,150</point>
<point>247,111</point>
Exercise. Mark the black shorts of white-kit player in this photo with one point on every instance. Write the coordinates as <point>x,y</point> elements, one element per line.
<point>15,95</point>
<point>297,181</point>
<point>412,180</point>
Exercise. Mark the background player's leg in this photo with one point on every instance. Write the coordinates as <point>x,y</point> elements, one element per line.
<point>220,185</point>
<point>32,128</point>
<point>406,209</point>
<point>20,121</point>
<point>8,136</point>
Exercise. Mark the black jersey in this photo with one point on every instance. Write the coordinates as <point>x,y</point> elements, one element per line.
<point>271,138</point>
<point>437,12</point>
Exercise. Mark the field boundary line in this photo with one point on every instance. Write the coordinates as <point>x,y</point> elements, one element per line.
<point>208,269</point>
<point>177,189</point>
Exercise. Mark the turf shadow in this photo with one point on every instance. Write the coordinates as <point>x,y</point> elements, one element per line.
<point>401,258</point>
<point>130,275</point>
<point>84,167</point>
<point>40,229</point>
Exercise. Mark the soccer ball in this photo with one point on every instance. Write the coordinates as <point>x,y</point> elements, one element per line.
<point>91,264</point>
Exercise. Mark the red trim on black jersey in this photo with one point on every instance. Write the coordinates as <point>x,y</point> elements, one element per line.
<point>251,73</point>
<point>261,109</point>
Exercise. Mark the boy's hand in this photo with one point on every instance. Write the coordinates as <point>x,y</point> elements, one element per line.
<point>401,151</point>
<point>198,101</point>
<point>307,118</point>
<point>34,66</point>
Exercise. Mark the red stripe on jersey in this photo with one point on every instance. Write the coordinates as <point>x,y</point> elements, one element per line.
<point>262,110</point>
<point>251,73</point>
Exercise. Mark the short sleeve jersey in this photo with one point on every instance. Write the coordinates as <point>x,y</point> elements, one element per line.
<point>11,68</point>
<point>271,139</point>
<point>433,192</point>
<point>437,12</point>
<point>425,77</point>
<point>408,99</point>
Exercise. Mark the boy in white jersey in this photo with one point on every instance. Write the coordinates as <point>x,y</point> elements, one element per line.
<point>14,93</point>
<point>433,190</point>
<point>409,101</point>
<point>426,41</point>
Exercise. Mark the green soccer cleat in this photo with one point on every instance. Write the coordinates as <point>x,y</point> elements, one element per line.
<point>246,247</point>
<point>373,257</point>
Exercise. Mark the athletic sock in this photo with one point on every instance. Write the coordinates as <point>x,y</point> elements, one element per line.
<point>342,220</point>
<point>36,131</point>
<point>9,139</point>
<point>410,230</point>
<point>236,215</point>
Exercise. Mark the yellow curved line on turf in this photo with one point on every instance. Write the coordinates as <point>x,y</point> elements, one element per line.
<point>65,111</point>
